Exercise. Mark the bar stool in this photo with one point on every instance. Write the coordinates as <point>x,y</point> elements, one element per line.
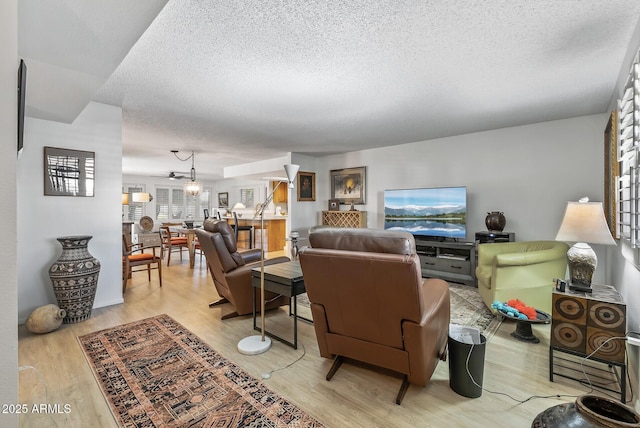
<point>239,228</point>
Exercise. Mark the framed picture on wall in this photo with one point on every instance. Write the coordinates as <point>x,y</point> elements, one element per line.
<point>306,186</point>
<point>334,204</point>
<point>223,200</point>
<point>69,172</point>
<point>611,172</point>
<point>348,185</point>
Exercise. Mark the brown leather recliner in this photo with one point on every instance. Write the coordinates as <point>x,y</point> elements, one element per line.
<point>231,270</point>
<point>369,302</point>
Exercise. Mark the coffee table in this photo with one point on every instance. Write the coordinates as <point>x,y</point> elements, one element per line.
<point>285,279</point>
<point>523,329</point>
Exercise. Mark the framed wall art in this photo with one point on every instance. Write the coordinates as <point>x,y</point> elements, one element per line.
<point>223,200</point>
<point>306,186</point>
<point>348,185</point>
<point>611,172</point>
<point>69,172</point>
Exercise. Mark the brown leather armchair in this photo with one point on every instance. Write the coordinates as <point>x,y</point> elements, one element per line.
<point>231,270</point>
<point>369,302</point>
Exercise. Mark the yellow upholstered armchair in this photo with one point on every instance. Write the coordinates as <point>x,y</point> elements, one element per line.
<point>520,270</point>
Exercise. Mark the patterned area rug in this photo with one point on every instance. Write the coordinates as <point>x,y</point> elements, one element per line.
<point>156,373</point>
<point>467,308</point>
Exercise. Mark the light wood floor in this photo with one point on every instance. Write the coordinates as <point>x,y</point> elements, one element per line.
<point>54,370</point>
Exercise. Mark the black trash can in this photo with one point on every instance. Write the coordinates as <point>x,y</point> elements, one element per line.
<point>459,379</point>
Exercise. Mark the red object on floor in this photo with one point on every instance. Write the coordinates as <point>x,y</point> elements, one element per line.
<point>529,311</point>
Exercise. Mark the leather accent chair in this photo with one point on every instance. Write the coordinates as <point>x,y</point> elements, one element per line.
<point>520,270</point>
<point>370,304</point>
<point>231,270</point>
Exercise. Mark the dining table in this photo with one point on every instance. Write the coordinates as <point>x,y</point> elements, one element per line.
<point>190,233</point>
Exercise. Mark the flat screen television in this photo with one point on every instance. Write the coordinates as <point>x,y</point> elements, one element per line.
<point>439,212</point>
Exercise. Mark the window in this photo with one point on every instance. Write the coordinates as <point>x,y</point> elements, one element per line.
<point>246,197</point>
<point>172,204</point>
<point>628,158</point>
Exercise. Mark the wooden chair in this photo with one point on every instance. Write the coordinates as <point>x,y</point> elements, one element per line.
<point>237,228</point>
<point>172,242</point>
<point>133,255</point>
<point>198,248</point>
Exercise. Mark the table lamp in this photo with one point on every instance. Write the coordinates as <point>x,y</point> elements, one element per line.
<point>583,223</point>
<point>257,344</point>
<point>141,197</point>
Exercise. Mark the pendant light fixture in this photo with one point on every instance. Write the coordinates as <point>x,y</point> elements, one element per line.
<point>191,187</point>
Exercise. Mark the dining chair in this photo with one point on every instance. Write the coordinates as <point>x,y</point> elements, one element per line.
<point>133,255</point>
<point>172,242</point>
<point>237,228</point>
<point>198,248</point>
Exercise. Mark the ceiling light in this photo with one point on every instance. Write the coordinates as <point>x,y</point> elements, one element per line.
<point>191,187</point>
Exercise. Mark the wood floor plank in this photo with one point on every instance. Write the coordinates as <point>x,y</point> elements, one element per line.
<point>354,397</point>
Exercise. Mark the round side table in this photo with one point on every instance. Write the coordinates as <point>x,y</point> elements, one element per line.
<point>523,329</point>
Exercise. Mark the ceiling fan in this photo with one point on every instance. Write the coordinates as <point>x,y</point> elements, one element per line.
<point>174,175</point>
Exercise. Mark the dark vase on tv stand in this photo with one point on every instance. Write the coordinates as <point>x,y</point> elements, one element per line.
<point>495,221</point>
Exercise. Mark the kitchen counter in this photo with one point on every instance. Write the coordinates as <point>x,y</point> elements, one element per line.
<point>275,227</point>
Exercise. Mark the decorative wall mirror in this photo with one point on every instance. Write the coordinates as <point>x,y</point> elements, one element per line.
<point>68,172</point>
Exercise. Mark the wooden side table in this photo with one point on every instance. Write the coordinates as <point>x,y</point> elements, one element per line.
<point>581,326</point>
<point>345,218</point>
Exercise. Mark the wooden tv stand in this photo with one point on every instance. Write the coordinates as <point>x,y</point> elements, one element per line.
<point>449,260</point>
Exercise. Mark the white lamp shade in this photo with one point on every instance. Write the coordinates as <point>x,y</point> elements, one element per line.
<point>141,197</point>
<point>125,199</point>
<point>585,222</point>
<point>291,170</point>
<point>239,206</point>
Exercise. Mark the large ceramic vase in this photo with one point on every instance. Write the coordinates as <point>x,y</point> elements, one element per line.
<point>495,221</point>
<point>75,278</point>
<point>588,411</point>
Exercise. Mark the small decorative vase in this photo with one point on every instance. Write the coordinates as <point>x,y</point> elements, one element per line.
<point>45,319</point>
<point>75,278</point>
<point>495,221</point>
<point>588,411</point>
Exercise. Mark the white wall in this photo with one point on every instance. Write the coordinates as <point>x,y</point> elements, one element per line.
<point>527,172</point>
<point>8,256</point>
<point>306,214</point>
<point>41,219</point>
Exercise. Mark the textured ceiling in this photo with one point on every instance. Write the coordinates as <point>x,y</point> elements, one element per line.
<point>239,81</point>
<point>70,48</point>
